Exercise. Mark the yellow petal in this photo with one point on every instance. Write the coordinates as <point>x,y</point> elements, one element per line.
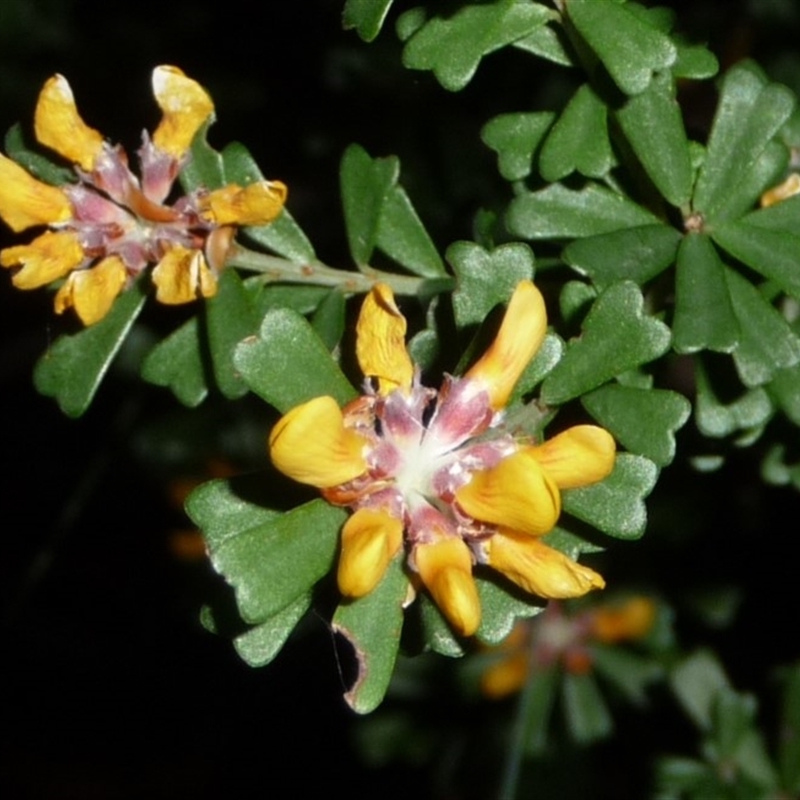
<point>505,677</point>
<point>783,191</point>
<point>59,126</point>
<point>630,620</point>
<point>370,539</point>
<point>91,292</point>
<point>311,445</point>
<point>182,275</point>
<point>445,567</point>
<point>255,204</point>
<point>580,456</point>
<point>25,202</point>
<point>47,258</point>
<point>517,493</point>
<point>185,105</point>
<point>380,341</point>
<point>519,338</point>
<point>539,569</point>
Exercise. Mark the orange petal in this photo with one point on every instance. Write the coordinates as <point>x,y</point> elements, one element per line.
<point>519,338</point>
<point>380,341</point>
<point>46,259</point>
<point>445,567</point>
<point>25,202</point>
<point>185,105</point>
<point>517,493</point>
<point>783,191</point>
<point>311,445</point>
<point>370,539</point>
<point>539,569</point>
<point>505,677</point>
<point>59,126</point>
<point>580,456</point>
<point>91,292</point>
<point>255,204</point>
<point>630,620</point>
<point>182,275</point>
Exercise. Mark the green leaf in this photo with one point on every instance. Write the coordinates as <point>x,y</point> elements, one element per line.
<point>259,645</point>
<point>177,364</point>
<point>486,278</point>
<point>500,609</point>
<point>636,253</point>
<point>629,672</point>
<point>366,16</point>
<point>560,213</point>
<point>782,217</point>
<point>225,508</point>
<point>204,167</point>
<point>436,631</point>
<point>515,137</point>
<point>643,421</point>
<point>616,505</point>
<point>575,300</point>
<point>454,47</point>
<point>789,742</point>
<point>694,62</point>
<point>548,43</point>
<point>768,344</point>
<point>328,319</point>
<point>785,388</point>
<point>541,365</point>
<point>704,315</point>
<point>585,709</point>
<point>72,369</point>
<point>617,337</point>
<point>630,48</point>
<point>372,624</point>
<point>277,562</point>
<point>653,125</point>
<point>748,116</point>
<point>578,141</point>
<point>540,696</point>
<point>288,364</point>
<point>696,682</point>
<point>38,165</point>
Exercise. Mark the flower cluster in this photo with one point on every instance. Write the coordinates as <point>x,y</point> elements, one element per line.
<point>436,473</point>
<point>107,226</point>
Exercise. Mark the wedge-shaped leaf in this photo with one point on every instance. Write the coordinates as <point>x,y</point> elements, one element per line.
<point>653,125</point>
<point>73,368</point>
<point>575,299</point>
<point>486,278</point>
<point>203,168</point>
<point>616,505</point>
<point>277,562</point>
<point>697,682</point>
<point>548,355</point>
<point>587,715</point>
<point>776,470</point>
<point>372,624</point>
<point>177,364</point>
<point>379,214</point>
<point>630,47</point>
<point>783,217</point>
<point>636,254</point>
<point>773,253</point>
<point>785,388</point>
<point>500,609</point>
<point>366,16</point>
<point>767,344</point>
<point>288,364</point>
<point>225,508</point>
<point>38,165</point>
<point>750,113</point>
<point>437,634</point>
<point>715,418</point>
<point>540,694</point>
<point>704,315</point>
<point>560,213</point>
<point>617,337</point>
<point>694,61</point>
<point>328,319</point>
<point>454,47</point>
<point>578,141</point>
<point>515,138</point>
<point>630,673</point>
<point>547,42</point>
<point>643,421</point>
<point>259,645</point>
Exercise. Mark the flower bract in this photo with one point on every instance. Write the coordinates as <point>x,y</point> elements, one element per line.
<point>436,474</point>
<point>109,225</point>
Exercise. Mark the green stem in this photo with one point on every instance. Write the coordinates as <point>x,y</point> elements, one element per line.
<point>275,268</point>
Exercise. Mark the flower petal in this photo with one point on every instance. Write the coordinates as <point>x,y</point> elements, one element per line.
<point>47,258</point>
<point>59,126</point>
<point>633,619</point>
<point>517,493</point>
<point>25,201</point>
<point>311,445</point>
<point>182,275</point>
<point>255,204</point>
<point>539,569</point>
<point>445,567</point>
<point>91,292</point>
<point>380,341</point>
<point>506,677</point>
<point>580,456</point>
<point>186,106</point>
<point>519,338</point>
<point>370,539</point>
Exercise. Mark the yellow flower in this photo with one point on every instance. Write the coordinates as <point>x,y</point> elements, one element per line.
<point>109,225</point>
<point>435,472</point>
